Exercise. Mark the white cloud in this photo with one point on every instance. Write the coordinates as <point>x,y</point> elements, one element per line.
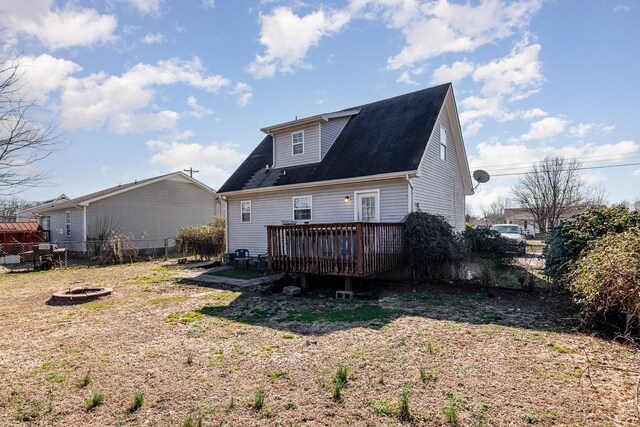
<point>436,27</point>
<point>287,38</point>
<point>197,110</point>
<point>624,8</point>
<point>243,92</point>
<point>97,99</point>
<point>545,128</point>
<point>43,74</point>
<point>516,75</point>
<point>534,113</point>
<point>208,4</point>
<point>454,73</point>
<point>405,77</point>
<point>473,128</point>
<point>147,7</point>
<point>214,161</point>
<point>153,38</point>
<point>54,27</point>
<point>583,129</point>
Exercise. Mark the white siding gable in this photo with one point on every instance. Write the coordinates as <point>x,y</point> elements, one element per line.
<point>439,189</point>
<point>330,131</point>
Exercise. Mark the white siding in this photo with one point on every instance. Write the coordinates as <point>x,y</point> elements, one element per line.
<point>439,189</point>
<point>155,211</point>
<point>328,206</point>
<point>330,131</point>
<point>59,228</point>
<point>283,151</point>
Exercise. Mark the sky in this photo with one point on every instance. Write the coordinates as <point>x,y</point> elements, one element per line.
<point>139,88</point>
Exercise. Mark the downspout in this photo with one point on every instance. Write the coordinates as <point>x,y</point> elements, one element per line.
<point>84,222</point>
<point>410,194</point>
<point>226,224</point>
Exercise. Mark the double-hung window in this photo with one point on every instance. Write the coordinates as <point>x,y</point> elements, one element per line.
<point>245,211</point>
<point>443,143</point>
<point>302,208</point>
<point>67,221</point>
<point>297,142</point>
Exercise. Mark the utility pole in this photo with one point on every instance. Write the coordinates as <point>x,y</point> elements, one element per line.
<point>191,171</point>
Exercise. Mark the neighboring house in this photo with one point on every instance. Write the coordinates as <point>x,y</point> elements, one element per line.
<point>150,210</point>
<point>371,163</point>
<point>525,219</point>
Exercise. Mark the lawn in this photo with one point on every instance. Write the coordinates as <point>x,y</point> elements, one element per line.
<point>164,352</point>
<point>238,273</point>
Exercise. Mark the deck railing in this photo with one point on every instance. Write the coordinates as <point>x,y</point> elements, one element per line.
<point>345,249</point>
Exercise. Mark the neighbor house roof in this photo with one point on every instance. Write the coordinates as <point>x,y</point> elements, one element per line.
<point>522,214</point>
<point>383,137</point>
<point>25,226</point>
<point>112,191</point>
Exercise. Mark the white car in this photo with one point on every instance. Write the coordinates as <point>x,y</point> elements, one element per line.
<point>512,232</point>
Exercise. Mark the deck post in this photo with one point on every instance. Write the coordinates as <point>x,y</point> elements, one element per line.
<point>269,250</point>
<point>359,249</point>
<point>304,281</point>
<point>348,283</point>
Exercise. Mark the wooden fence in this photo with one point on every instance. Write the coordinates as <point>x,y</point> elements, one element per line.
<point>346,249</point>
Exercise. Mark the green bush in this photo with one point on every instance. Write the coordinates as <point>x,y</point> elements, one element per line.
<point>567,242</point>
<point>606,281</point>
<point>434,248</point>
<point>488,244</point>
<point>203,241</point>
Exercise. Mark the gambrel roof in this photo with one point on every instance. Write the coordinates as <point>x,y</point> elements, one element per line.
<point>383,137</point>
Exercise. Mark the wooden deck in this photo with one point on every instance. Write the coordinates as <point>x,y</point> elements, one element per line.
<point>346,249</point>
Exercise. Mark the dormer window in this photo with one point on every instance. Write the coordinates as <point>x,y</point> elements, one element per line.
<point>297,143</point>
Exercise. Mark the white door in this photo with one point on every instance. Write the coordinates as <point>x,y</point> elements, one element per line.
<point>367,207</point>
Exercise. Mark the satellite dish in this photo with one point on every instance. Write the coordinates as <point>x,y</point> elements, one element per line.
<point>481,176</point>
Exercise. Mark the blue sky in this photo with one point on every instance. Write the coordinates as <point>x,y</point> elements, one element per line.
<point>145,87</point>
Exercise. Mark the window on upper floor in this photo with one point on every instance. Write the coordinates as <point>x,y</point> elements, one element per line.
<point>245,211</point>
<point>302,208</point>
<point>297,143</point>
<point>443,143</point>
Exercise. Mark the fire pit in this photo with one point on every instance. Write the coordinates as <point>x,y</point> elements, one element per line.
<point>80,294</point>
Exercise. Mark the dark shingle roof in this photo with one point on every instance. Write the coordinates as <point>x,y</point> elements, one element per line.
<point>386,136</point>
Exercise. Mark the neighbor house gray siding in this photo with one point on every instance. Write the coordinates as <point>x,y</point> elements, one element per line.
<point>155,211</point>
<point>329,133</point>
<point>328,206</point>
<point>283,148</point>
<point>439,189</point>
<point>58,225</point>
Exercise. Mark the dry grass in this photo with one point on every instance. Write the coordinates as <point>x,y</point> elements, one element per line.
<point>509,358</point>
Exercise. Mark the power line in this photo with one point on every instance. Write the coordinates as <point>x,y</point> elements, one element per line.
<point>568,159</point>
<point>564,170</point>
<point>508,168</point>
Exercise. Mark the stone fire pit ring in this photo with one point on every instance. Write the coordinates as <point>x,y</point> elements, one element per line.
<point>80,294</point>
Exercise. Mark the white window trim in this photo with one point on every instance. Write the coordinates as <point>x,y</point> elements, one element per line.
<point>250,212</point>
<point>299,143</point>
<point>356,204</point>
<point>293,207</point>
<point>443,130</point>
<point>67,223</point>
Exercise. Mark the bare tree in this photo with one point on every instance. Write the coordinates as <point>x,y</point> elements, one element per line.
<point>9,208</point>
<point>494,212</point>
<point>23,140</point>
<point>550,189</point>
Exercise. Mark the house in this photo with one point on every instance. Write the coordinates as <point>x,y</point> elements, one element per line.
<point>148,210</point>
<point>525,219</point>
<point>372,163</point>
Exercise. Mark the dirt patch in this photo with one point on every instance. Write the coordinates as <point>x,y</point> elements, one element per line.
<point>243,359</point>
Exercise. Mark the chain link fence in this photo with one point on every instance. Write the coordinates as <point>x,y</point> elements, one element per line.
<point>37,256</point>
